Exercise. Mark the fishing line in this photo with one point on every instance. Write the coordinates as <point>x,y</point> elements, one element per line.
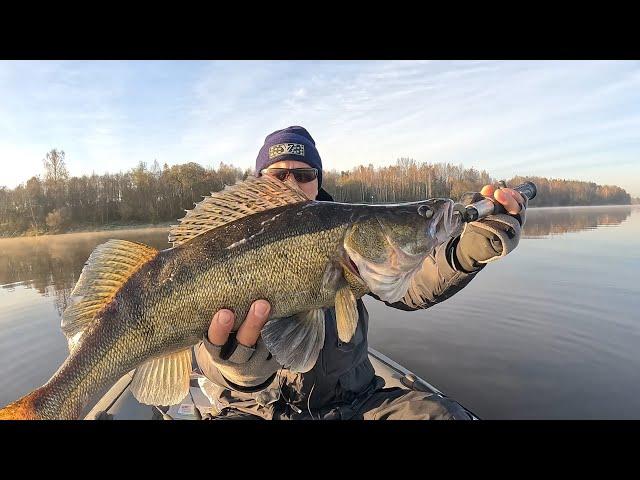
<point>309,401</point>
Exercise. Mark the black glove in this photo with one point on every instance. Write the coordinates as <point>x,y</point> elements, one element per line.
<point>240,366</point>
<point>487,240</point>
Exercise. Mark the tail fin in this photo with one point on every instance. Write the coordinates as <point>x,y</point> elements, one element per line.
<point>22,409</point>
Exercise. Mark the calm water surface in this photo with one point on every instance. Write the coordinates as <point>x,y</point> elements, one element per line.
<point>551,331</point>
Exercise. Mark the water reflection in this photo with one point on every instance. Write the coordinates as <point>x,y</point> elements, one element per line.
<point>543,222</point>
<point>52,264</point>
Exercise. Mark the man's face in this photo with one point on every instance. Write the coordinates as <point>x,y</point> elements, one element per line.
<point>310,189</point>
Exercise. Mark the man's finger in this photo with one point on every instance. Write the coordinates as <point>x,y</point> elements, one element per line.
<point>515,194</point>
<point>220,327</point>
<point>249,331</point>
<point>507,200</point>
<point>488,190</point>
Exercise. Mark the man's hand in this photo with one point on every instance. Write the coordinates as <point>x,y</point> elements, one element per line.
<point>249,330</point>
<point>507,197</point>
<point>242,359</point>
<point>494,236</point>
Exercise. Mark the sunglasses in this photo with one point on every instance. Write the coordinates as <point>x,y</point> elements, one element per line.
<point>302,175</point>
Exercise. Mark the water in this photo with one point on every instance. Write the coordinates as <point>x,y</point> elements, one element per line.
<point>551,331</point>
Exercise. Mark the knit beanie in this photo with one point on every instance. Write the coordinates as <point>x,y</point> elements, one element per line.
<point>291,143</point>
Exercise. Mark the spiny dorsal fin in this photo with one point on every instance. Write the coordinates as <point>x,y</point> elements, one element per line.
<point>164,380</point>
<point>109,266</point>
<point>253,195</point>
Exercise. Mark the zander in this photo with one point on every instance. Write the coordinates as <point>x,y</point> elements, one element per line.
<point>135,307</point>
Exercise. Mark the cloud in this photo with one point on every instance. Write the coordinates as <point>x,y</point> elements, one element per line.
<point>502,116</point>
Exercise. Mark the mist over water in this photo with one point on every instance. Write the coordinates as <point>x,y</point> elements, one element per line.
<point>551,331</point>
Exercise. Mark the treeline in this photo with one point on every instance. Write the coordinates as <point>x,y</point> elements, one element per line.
<point>555,192</point>
<point>409,180</point>
<point>56,201</point>
<point>405,181</point>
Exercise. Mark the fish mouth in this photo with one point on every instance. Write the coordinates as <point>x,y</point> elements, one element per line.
<point>445,223</point>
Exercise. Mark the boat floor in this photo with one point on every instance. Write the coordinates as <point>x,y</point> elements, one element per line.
<point>119,403</point>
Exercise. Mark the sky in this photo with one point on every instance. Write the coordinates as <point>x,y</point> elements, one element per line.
<point>562,119</point>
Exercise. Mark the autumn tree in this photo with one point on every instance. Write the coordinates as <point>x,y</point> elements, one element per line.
<point>55,176</point>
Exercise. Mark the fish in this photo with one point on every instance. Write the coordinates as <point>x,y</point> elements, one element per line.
<point>136,308</point>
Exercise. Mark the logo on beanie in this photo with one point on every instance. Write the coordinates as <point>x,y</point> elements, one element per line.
<point>286,148</point>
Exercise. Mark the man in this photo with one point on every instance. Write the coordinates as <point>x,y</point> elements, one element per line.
<point>343,384</point>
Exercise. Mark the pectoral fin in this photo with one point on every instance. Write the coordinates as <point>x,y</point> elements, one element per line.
<point>346,313</point>
<point>296,341</point>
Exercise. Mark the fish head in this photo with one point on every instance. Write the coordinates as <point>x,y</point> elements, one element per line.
<point>387,244</point>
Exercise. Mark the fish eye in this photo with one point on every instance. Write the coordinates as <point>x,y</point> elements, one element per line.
<point>425,211</point>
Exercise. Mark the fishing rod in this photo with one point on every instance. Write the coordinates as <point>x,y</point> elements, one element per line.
<point>483,208</point>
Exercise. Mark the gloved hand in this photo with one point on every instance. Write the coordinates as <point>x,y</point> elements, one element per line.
<point>243,358</point>
<point>494,236</point>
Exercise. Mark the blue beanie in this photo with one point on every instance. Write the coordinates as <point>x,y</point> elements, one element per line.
<point>291,143</point>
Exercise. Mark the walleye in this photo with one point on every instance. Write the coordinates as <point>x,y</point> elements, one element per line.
<point>135,307</point>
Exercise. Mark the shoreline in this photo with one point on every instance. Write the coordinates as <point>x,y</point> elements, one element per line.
<point>138,226</point>
<point>95,229</point>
